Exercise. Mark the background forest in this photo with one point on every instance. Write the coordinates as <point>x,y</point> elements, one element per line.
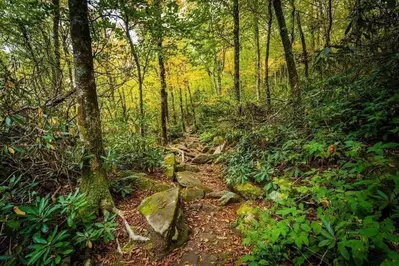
<point>304,93</point>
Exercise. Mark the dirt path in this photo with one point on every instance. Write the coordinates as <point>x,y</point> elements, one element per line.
<point>212,241</point>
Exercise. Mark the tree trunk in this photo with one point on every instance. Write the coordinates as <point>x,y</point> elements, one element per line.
<point>182,111</point>
<point>164,96</point>
<point>304,50</point>
<point>140,78</point>
<point>192,106</point>
<point>173,107</point>
<point>57,72</point>
<point>257,48</point>
<point>269,33</point>
<point>330,22</point>
<point>94,181</point>
<point>293,13</point>
<point>236,17</point>
<point>289,58</point>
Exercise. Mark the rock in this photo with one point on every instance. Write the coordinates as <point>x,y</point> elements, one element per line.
<point>249,191</point>
<point>168,227</point>
<point>219,149</point>
<point>191,194</point>
<point>141,181</point>
<point>169,165</point>
<point>225,197</point>
<point>218,140</point>
<point>160,210</point>
<point>187,167</point>
<point>247,214</point>
<point>190,180</point>
<point>203,158</point>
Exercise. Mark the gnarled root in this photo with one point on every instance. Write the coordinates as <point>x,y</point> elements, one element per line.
<point>129,230</point>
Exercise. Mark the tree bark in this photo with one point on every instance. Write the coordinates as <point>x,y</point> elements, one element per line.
<point>269,33</point>
<point>289,58</point>
<point>293,13</point>
<point>57,72</point>
<point>182,111</point>
<point>257,48</point>
<point>94,181</point>
<point>330,22</point>
<point>236,31</point>
<point>140,78</point>
<point>304,50</point>
<point>192,106</point>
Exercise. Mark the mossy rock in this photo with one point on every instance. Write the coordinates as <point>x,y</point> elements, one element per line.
<point>160,210</point>
<point>141,181</point>
<point>187,167</point>
<point>190,180</point>
<point>248,207</point>
<point>249,191</point>
<point>169,166</point>
<point>204,158</point>
<point>169,229</point>
<point>169,160</point>
<point>218,140</point>
<point>191,194</point>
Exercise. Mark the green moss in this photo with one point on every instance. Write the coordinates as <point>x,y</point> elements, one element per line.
<point>249,191</point>
<point>247,208</point>
<point>96,187</point>
<point>218,140</point>
<point>150,205</point>
<point>170,160</point>
<point>169,171</point>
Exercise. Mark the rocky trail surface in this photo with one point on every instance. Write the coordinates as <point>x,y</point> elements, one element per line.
<point>195,228</point>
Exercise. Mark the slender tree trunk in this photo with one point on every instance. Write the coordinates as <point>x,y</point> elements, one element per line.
<point>182,111</point>
<point>257,48</point>
<point>304,50</point>
<point>94,181</point>
<point>269,34</point>
<point>164,99</point>
<point>57,72</point>
<point>173,106</point>
<point>330,22</point>
<point>293,13</point>
<point>236,18</point>
<point>289,58</point>
<point>140,78</point>
<point>192,106</point>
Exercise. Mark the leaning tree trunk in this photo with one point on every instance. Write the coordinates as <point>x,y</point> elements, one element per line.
<point>289,58</point>
<point>182,111</point>
<point>94,181</point>
<point>236,18</point>
<point>140,77</point>
<point>269,34</point>
<point>304,50</point>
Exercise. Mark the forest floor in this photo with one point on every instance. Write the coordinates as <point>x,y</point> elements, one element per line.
<point>212,239</point>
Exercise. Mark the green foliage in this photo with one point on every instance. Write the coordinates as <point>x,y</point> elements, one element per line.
<point>44,232</point>
<point>131,151</point>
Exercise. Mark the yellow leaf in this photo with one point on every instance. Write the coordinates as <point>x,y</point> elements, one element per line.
<point>51,146</point>
<point>18,211</point>
<point>53,121</point>
<point>11,150</point>
<point>89,244</point>
<point>37,140</point>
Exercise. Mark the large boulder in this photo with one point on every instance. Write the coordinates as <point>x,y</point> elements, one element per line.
<point>169,165</point>
<point>192,194</point>
<point>168,227</point>
<point>249,191</point>
<point>190,180</point>
<point>140,181</point>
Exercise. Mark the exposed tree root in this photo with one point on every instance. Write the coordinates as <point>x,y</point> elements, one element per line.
<point>129,230</point>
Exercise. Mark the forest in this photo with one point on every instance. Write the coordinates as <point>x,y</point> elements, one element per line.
<point>199,132</point>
